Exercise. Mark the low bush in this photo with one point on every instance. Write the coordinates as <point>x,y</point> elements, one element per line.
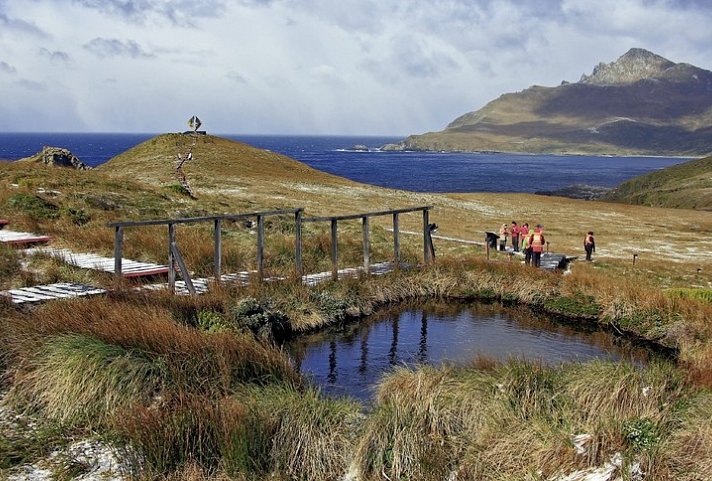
<point>34,206</point>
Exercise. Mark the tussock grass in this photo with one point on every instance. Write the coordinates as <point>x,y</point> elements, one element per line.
<point>514,420</point>
<point>79,379</point>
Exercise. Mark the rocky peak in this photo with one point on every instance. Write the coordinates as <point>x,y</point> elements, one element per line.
<point>62,158</point>
<point>636,64</point>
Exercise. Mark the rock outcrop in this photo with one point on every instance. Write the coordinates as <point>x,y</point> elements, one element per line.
<point>58,157</point>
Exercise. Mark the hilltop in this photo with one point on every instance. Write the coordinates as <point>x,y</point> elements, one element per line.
<point>687,185</point>
<point>641,104</point>
<point>217,162</point>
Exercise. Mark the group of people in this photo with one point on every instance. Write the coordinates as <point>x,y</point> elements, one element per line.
<point>531,241</point>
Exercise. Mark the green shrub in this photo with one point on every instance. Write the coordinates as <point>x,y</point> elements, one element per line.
<point>640,434</point>
<point>211,321</point>
<point>77,216</point>
<point>34,206</point>
<point>262,319</point>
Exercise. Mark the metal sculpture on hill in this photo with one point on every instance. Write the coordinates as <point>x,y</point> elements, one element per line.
<point>187,154</point>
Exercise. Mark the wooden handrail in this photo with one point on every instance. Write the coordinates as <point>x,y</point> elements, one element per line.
<point>188,220</point>
<point>366,214</point>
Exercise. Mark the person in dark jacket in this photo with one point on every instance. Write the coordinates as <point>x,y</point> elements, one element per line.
<point>589,245</point>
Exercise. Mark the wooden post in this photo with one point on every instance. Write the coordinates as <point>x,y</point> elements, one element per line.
<point>260,246</point>
<point>171,260</point>
<point>118,250</point>
<point>183,269</point>
<point>366,244</point>
<point>426,237</point>
<point>396,240</point>
<point>334,251</point>
<point>298,241</point>
<point>217,257</point>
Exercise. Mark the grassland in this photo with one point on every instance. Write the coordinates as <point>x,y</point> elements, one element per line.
<point>193,388</point>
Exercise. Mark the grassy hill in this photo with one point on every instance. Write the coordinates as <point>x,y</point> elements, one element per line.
<point>687,186</point>
<point>217,163</point>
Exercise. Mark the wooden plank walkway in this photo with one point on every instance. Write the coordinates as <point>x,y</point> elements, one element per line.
<point>62,290</point>
<point>21,238</point>
<point>202,285</point>
<point>129,268</point>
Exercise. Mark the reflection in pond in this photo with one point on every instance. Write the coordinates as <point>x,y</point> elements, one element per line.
<point>352,360</point>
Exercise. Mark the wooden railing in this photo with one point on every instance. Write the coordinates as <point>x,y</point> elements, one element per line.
<point>428,253</point>
<point>175,258</point>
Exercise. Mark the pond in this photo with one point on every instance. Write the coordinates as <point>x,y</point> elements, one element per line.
<point>351,360</point>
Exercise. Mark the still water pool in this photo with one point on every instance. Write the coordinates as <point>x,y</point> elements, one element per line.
<point>350,361</point>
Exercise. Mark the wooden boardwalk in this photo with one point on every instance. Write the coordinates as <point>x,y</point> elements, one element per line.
<point>62,290</point>
<point>19,239</point>
<point>202,285</point>
<point>129,268</point>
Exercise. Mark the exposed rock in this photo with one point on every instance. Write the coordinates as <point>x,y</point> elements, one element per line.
<point>634,65</point>
<point>360,148</point>
<point>62,158</point>
<point>393,147</point>
<point>57,156</point>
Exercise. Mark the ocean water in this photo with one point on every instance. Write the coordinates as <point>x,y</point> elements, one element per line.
<point>414,171</point>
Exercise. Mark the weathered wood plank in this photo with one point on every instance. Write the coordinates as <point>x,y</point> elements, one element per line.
<point>48,292</point>
<point>21,238</point>
<point>129,268</point>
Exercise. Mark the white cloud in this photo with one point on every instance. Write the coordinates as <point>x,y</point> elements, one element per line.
<point>314,66</point>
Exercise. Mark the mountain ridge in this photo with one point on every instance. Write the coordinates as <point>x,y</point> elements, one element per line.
<point>641,104</point>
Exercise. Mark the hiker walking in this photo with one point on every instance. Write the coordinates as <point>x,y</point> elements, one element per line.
<point>589,245</point>
<point>536,244</point>
<point>515,231</point>
<point>503,233</point>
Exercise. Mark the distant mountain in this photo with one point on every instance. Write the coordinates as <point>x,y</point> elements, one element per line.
<point>640,104</point>
<point>687,185</point>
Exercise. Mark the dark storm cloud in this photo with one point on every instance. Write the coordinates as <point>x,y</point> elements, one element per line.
<point>178,12</point>
<point>112,47</point>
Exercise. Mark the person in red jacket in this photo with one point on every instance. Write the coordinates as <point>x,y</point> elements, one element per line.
<point>536,244</point>
<point>514,232</point>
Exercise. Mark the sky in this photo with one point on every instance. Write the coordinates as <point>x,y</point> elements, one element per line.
<point>311,67</point>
